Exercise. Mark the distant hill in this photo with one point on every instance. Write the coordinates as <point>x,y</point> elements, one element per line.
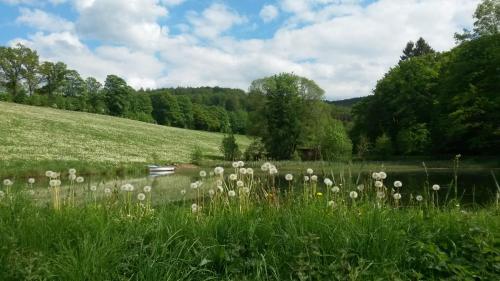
<point>347,102</point>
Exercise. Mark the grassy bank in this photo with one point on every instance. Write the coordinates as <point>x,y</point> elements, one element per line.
<point>43,137</point>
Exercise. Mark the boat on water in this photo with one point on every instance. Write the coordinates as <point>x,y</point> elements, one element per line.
<point>156,170</point>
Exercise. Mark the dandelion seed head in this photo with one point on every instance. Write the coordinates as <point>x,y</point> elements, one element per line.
<point>398,184</point>
<point>314,178</point>
<point>194,208</point>
<point>335,189</point>
<point>353,194</point>
<point>250,171</point>
<point>194,185</point>
<point>72,171</point>
<point>436,187</point>
<point>147,189</point>
<point>219,171</point>
<point>7,182</point>
<point>72,177</point>
<point>31,180</point>
<point>235,164</point>
<point>183,191</point>
<point>309,171</point>
<point>53,183</point>
<point>328,182</point>
<point>396,196</point>
<point>211,192</point>
<point>419,198</point>
<point>378,184</point>
<point>306,178</point>
<point>375,176</point>
<point>93,188</point>
<point>241,163</point>
<point>231,193</point>
<point>107,190</point>
<point>288,177</point>
<point>380,194</point>
<point>48,174</point>
<point>239,183</point>
<point>243,171</point>
<point>382,175</point>
<point>141,196</point>
<point>79,179</point>
<point>331,204</point>
<point>361,187</point>
<point>245,190</point>
<point>233,177</point>
<point>203,174</point>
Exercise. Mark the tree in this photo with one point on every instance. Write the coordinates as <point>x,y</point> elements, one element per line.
<point>487,21</point>
<point>166,110</point>
<point>117,95</point>
<point>93,88</point>
<point>29,72</point>
<point>421,48</point>
<point>73,84</point>
<point>229,147</point>
<point>336,144</point>
<point>53,77</point>
<point>16,64</point>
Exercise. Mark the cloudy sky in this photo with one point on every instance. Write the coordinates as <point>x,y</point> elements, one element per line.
<point>344,45</point>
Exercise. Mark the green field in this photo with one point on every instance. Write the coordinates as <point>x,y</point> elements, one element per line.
<point>37,136</point>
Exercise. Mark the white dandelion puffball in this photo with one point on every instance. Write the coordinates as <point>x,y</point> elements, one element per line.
<point>335,189</point>
<point>314,178</point>
<point>211,192</point>
<point>288,177</point>
<point>265,167</point>
<point>203,174</point>
<point>55,175</point>
<point>93,188</point>
<point>52,183</point>
<point>241,163</point>
<point>130,187</point>
<point>79,179</point>
<point>239,183</point>
<point>328,182</point>
<point>235,165</point>
<point>436,187</point>
<point>250,171</point>
<point>353,194</point>
<point>141,196</point>
<point>306,178</point>
<point>107,190</point>
<point>58,182</point>
<point>233,177</point>
<point>243,171</point>
<point>72,171</point>
<point>124,187</point>
<point>2,194</point>
<point>375,176</point>
<point>194,208</point>
<point>48,174</point>
<point>380,195</point>
<point>7,182</point>
<point>72,177</point>
<point>361,187</point>
<point>273,170</point>
<point>245,190</point>
<point>183,192</point>
<point>147,189</point>
<point>382,175</point>
<point>419,198</point>
<point>31,180</point>
<point>331,203</point>
<point>231,193</point>
<point>309,171</point>
<point>194,185</point>
<point>219,170</point>
<point>397,196</point>
<point>199,183</point>
<point>220,188</point>
<point>398,184</point>
<point>378,184</point>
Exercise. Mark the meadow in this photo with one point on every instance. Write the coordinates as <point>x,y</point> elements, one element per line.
<point>36,138</point>
<point>238,223</point>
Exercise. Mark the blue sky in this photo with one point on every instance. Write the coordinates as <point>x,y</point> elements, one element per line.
<point>344,45</point>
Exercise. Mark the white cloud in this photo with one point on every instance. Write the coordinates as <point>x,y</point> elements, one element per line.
<point>43,20</point>
<point>214,20</point>
<point>268,13</point>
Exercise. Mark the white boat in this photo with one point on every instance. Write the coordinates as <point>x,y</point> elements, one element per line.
<point>156,170</point>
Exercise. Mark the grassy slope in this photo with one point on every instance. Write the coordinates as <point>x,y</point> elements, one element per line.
<point>38,134</point>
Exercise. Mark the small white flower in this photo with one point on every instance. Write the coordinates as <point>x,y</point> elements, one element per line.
<point>243,171</point>
<point>378,184</point>
<point>245,190</point>
<point>194,185</point>
<point>353,194</point>
<point>436,187</point>
<point>250,171</point>
<point>194,208</point>
<point>211,192</point>
<point>375,176</point>
<point>48,174</point>
<point>309,171</point>
<point>31,180</point>
<point>360,187</point>
<point>398,184</point>
<point>419,198</point>
<point>288,177</point>
<point>314,178</point>
<point>203,174</point>
<point>306,178</point>
<point>93,188</point>
<point>72,171</point>
<point>231,193</point>
<point>239,183</point>
<point>380,194</point>
<point>107,190</point>
<point>219,170</point>
<point>7,182</point>
<point>79,179</point>
<point>141,196</point>
<point>331,204</point>
<point>397,196</point>
<point>72,177</point>
<point>328,182</point>
<point>382,175</point>
<point>235,165</point>
<point>147,189</point>
<point>233,177</point>
<point>183,192</point>
<point>335,189</point>
<point>241,163</point>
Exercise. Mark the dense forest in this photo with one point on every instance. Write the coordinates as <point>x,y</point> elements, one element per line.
<point>430,103</point>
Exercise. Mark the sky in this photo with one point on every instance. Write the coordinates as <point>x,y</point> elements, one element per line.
<point>345,46</point>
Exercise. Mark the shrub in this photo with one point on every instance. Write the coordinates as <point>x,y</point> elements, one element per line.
<point>255,151</point>
<point>229,147</point>
<point>383,147</point>
<point>336,144</point>
<point>196,155</point>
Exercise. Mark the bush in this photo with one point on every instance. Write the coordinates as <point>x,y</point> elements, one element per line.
<point>383,147</point>
<point>255,151</point>
<point>229,148</point>
<point>414,139</point>
<point>196,155</point>
<point>336,144</point>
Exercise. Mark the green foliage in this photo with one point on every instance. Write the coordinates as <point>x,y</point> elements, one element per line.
<point>414,140</point>
<point>421,48</point>
<point>229,148</point>
<point>487,21</point>
<point>196,155</point>
<point>117,95</point>
<point>255,151</point>
<point>383,147</point>
<point>336,144</point>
